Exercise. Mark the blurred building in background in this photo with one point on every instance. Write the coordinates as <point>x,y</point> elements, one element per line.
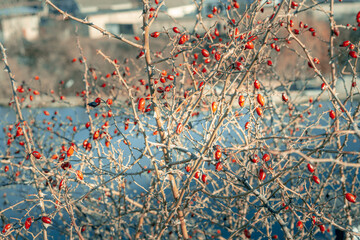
<point>116,16</point>
<point>23,18</point>
<point>125,17</point>
<point>19,19</point>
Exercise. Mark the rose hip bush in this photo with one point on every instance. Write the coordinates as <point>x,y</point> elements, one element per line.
<point>203,138</point>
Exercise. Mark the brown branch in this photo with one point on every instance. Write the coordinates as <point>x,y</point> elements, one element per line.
<point>90,24</point>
